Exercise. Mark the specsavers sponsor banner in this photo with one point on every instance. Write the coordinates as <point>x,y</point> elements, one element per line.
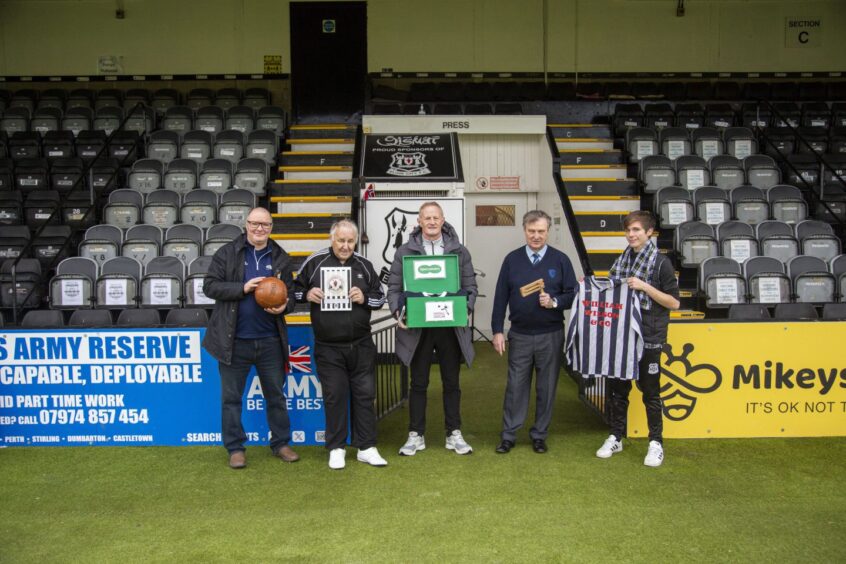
<point>137,387</point>
<point>750,380</point>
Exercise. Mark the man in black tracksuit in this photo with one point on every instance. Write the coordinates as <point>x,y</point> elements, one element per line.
<point>343,348</point>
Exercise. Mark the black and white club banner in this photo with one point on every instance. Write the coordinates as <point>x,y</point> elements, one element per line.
<point>407,157</point>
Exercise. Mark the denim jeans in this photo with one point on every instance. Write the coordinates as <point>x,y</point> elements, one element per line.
<point>268,358</point>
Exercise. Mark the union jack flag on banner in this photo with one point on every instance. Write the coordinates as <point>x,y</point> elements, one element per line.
<point>299,359</point>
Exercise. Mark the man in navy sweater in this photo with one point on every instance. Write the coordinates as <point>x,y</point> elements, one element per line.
<point>537,328</point>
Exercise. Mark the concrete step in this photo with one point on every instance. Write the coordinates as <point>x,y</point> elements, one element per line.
<point>333,144</point>
<point>300,188</point>
<point>565,144</point>
<point>606,172</point>
<point>604,222</point>
<point>592,157</point>
<point>312,172</point>
<point>605,203</point>
<point>313,204</point>
<point>601,187</point>
<point>322,131</point>
<point>317,158</point>
<point>580,130</point>
<point>302,243</point>
<point>304,222</point>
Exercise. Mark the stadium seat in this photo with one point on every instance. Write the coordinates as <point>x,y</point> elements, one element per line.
<point>161,285</point>
<point>837,140</point>
<point>656,172</point>
<point>22,288</point>
<point>108,119</point>
<point>754,115</point>
<point>90,318</point>
<point>252,174</point>
<point>811,280</point>
<point>210,119</point>
<point>43,319</point>
<point>737,240</point>
<point>262,144</point>
<point>139,318</point>
<point>11,206</point>
<point>834,312</point>
<point>673,206</point>
<point>711,205</point>
<point>187,318</point>
<point>4,145</point>
<point>197,269</point>
<point>812,140</point>
<point>235,205</point>
<point>179,119</point>
<point>706,142</point>
<point>66,174</point>
<point>692,172</point>
<point>674,142</point>
<point>117,286</point>
<point>109,97</point>
<point>240,118</point>
<point>216,175</point>
<point>199,98</point>
<point>695,241</point>
<point>766,280</point>
<point>227,98</point>
<point>199,208</point>
<point>786,203</point>
<point>58,145</point>
<point>719,116</point>
<point>73,285</point>
<point>816,114</point>
<point>13,240</point>
<point>626,117</point>
<point>14,120</point>
<point>749,312</point>
<point>183,241</point>
<point>125,146</point>
<point>761,171</point>
<point>721,281</point>
<point>218,235</point>
<point>163,99</point>
<point>749,204</point>
<point>32,174</point>
<point>123,208</point>
<point>101,243</point>
<point>142,243</point>
<point>52,98</point>
<point>181,175</point>
<point>659,116</point>
<point>271,118</point>
<point>196,145</point>
<point>89,144</point>
<point>802,171</point>
<point>24,145</point>
<point>786,114</point>
<point>478,109</point>
<point>41,207</point>
<point>837,266</point>
<point>690,115</point>
<point>78,119</point>
<point>779,142</point>
<point>105,175</point>
<point>50,244</point>
<point>641,142</point>
<point>161,208</point>
<point>135,96</point>
<point>257,98</point>
<point>46,119</point>
<point>777,239</point>
<point>146,175</point>
<point>7,174</point>
<point>817,239</point>
<point>229,145</point>
<point>726,171</point>
<point>740,142</point>
<point>796,312</point>
<point>163,145</point>
<point>80,98</point>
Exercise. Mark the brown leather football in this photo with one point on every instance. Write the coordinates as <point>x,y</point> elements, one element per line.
<point>271,292</point>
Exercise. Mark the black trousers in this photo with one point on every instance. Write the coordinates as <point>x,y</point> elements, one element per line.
<point>444,340</point>
<point>649,382</point>
<point>348,377</point>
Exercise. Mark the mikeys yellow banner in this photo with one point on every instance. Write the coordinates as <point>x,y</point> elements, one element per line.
<point>750,380</point>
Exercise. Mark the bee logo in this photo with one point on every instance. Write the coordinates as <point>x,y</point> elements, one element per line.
<point>681,387</point>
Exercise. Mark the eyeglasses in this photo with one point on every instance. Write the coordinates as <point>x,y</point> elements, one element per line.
<point>259,225</point>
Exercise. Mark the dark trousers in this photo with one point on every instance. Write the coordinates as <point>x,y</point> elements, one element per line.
<point>267,356</point>
<point>348,377</point>
<point>444,340</point>
<point>649,382</point>
<point>540,354</point>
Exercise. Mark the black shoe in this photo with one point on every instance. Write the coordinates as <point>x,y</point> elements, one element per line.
<point>505,446</point>
<point>539,446</point>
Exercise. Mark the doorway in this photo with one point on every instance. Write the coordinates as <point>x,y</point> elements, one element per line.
<point>328,58</point>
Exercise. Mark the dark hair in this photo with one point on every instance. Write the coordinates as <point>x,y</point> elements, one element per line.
<point>536,215</point>
<point>645,218</point>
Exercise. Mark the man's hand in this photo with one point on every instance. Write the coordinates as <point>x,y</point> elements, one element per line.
<point>356,295</point>
<point>545,300</point>
<point>499,343</point>
<point>276,310</point>
<point>315,295</point>
<point>637,284</point>
<point>251,284</point>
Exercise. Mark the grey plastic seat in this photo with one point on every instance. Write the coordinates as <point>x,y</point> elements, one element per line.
<point>135,96</point>
<point>787,204</point>
<point>183,241</point>
<point>834,312</point>
<point>181,175</point>
<point>146,175</point>
<point>740,142</point>
<point>108,118</point>
<point>14,119</point>
<point>50,244</point>
<point>256,98</point>
<point>196,145</point>
<point>262,144</point>
<point>141,119</point>
<point>24,145</point>
<point>89,144</point>
<point>240,118</point>
<point>58,144</point>
<point>796,312</point>
<point>767,281</point>
<point>77,119</point>
<point>641,142</point>
<point>692,172</point>
<point>761,171</point>
<point>101,243</point>
<point>216,175</point>
<point>675,142</point>
<point>32,174</point>
<point>812,282</point>
<point>209,118</point>
<point>194,295</point>
<point>163,99</point>
<point>199,208</point>
<point>817,238</point>
<point>123,208</point>
<point>13,240</point>
<point>161,208</point>
<point>695,241</point>
<point>837,266</point>
<point>108,97</point>
<point>187,318</point>
<point>218,235</point>
<point>43,319</point>
<point>117,286</point>
<point>749,312</point>
<point>712,205</point>
<point>66,174</point>
<point>139,318</point>
<point>721,280</point>
<point>737,240</point>
<point>749,204</point>
<point>726,171</point>
<point>179,119</point>
<point>229,145</point>
<point>252,174</point>
<point>142,243</point>
<point>80,98</point>
<point>227,98</point>
<point>656,172</point>
<point>200,97</point>
<point>46,119</point>
<point>73,285</point>
<point>235,205</point>
<point>163,145</point>
<point>124,145</point>
<point>91,318</point>
<point>776,239</point>
<point>271,118</point>
<point>161,286</point>
<point>673,206</point>
<point>707,142</point>
<point>28,289</point>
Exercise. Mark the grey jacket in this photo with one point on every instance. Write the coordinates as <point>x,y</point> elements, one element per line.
<point>225,284</point>
<point>407,339</point>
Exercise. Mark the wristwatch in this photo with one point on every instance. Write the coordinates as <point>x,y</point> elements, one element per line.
<point>554,303</point>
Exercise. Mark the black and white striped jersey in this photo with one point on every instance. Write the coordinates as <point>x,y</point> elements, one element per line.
<point>604,336</point>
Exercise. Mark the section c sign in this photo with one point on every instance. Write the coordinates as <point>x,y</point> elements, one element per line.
<point>802,32</point>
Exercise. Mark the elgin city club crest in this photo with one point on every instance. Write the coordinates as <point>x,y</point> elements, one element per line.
<point>408,164</point>
<point>398,224</point>
<point>684,381</point>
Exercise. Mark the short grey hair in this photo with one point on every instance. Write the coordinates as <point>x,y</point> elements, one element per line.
<point>431,205</point>
<point>536,215</point>
<point>348,223</point>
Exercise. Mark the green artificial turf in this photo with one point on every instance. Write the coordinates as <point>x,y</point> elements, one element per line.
<point>764,500</point>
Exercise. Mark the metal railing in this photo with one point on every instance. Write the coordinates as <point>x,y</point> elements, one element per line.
<point>391,374</point>
<point>592,392</point>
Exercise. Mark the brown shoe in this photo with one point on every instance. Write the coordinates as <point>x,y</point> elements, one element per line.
<point>287,454</point>
<point>237,460</point>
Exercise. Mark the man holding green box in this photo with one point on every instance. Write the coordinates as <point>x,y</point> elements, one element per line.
<point>415,345</point>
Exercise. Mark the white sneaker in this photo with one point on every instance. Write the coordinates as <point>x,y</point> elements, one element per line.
<point>655,454</point>
<point>609,447</point>
<point>456,442</point>
<point>337,458</point>
<point>371,456</point>
<point>414,443</point>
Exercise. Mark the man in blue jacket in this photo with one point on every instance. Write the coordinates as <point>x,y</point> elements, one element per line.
<point>241,334</point>
<point>535,340</point>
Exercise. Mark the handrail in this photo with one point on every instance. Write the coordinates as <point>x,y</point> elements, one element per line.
<point>356,179</point>
<point>579,243</point>
<point>819,156</point>
<point>86,173</point>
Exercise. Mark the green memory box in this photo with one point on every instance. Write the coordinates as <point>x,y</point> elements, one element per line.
<point>438,275</point>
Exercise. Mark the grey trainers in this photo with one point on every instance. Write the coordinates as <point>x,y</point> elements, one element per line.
<point>654,455</point>
<point>609,447</point>
<point>414,443</point>
<point>456,442</point>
